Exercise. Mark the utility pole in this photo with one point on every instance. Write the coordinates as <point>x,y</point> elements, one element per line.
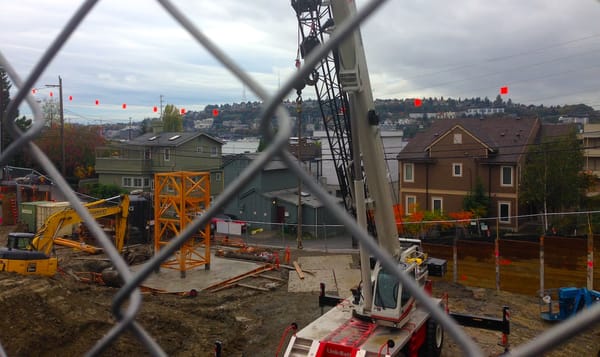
<point>299,154</point>
<point>161,101</point>
<point>62,124</point>
<point>1,115</point>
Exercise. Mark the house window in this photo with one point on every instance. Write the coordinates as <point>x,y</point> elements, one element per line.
<point>199,149</point>
<point>214,151</point>
<point>457,170</point>
<point>127,182</point>
<point>411,205</point>
<point>167,154</point>
<point>457,138</point>
<point>137,182</point>
<point>409,175</point>
<point>436,204</point>
<point>504,212</point>
<point>148,154</point>
<point>146,182</point>
<point>218,177</point>
<point>507,176</point>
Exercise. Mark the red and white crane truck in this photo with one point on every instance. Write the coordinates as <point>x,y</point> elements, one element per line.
<point>381,318</point>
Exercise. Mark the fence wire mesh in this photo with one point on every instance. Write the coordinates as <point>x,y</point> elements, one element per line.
<point>127,300</point>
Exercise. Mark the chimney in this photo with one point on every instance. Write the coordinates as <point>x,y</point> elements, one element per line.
<point>157,126</point>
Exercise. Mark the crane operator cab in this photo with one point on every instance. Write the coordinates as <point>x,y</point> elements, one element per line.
<point>20,257</point>
<point>392,303</point>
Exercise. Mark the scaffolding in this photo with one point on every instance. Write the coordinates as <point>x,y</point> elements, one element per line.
<point>179,197</point>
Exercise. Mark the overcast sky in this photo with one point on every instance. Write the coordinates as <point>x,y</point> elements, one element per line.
<point>545,51</point>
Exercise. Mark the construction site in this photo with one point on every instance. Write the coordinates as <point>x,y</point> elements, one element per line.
<point>156,272</point>
<point>239,293</point>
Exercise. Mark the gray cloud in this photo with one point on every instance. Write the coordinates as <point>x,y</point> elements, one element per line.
<point>131,52</point>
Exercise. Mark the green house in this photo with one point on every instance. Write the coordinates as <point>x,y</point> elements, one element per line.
<point>132,164</point>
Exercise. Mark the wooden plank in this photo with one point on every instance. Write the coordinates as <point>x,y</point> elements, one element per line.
<point>269,277</point>
<point>298,270</point>
<point>218,286</point>
<point>260,288</point>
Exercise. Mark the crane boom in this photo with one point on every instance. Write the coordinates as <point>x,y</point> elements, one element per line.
<point>354,78</point>
<point>382,310</point>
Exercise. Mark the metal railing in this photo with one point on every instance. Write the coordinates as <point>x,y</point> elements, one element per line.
<point>127,300</point>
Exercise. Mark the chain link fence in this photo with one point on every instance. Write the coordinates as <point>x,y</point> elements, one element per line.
<point>127,301</point>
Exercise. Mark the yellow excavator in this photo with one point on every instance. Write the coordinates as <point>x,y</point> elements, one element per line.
<point>29,253</point>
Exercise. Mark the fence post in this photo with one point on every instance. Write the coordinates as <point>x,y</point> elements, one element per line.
<point>542,266</point>
<point>497,254</point>
<point>455,259</point>
<point>590,257</point>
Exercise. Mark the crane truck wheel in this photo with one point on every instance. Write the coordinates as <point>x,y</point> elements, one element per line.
<point>433,340</point>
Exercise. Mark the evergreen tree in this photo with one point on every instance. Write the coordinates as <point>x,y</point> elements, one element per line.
<point>477,201</point>
<point>22,123</point>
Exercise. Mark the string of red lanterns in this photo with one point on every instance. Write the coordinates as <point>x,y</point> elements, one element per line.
<point>34,91</point>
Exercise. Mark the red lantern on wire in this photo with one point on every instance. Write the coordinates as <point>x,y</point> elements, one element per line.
<point>182,111</point>
<point>70,98</point>
<point>155,109</point>
<point>124,106</point>
<point>97,102</point>
<point>215,112</point>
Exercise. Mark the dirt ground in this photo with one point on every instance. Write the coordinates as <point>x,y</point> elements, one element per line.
<point>62,317</point>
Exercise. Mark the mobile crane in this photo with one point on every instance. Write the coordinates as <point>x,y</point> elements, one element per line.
<point>381,315</point>
<point>30,253</point>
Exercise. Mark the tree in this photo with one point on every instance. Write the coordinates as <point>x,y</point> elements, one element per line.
<point>477,201</point>
<point>22,123</point>
<point>51,112</point>
<point>172,119</point>
<point>551,180</point>
<point>104,191</point>
<point>80,148</point>
<point>498,101</point>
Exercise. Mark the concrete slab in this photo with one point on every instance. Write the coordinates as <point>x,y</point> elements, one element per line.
<point>326,262</point>
<point>333,270</point>
<point>311,282</point>
<point>221,269</point>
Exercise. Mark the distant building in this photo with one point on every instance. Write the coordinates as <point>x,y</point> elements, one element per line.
<point>581,120</point>
<point>270,199</point>
<point>591,143</point>
<point>393,142</point>
<point>471,112</point>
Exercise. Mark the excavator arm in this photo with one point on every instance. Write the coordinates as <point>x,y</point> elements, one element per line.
<point>47,235</point>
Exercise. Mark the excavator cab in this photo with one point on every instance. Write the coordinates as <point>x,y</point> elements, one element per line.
<point>19,257</point>
<point>20,241</point>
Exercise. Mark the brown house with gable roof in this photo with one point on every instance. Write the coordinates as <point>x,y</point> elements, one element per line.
<point>440,166</point>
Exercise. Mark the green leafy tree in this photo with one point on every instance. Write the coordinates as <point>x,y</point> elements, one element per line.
<point>172,119</point>
<point>104,191</point>
<point>477,201</point>
<point>552,180</point>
